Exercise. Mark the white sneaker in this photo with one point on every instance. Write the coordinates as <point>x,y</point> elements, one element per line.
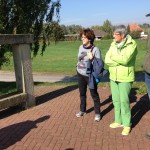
<point>80,114</point>
<point>97,117</point>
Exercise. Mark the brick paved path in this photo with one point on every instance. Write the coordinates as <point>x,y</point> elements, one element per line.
<point>52,124</point>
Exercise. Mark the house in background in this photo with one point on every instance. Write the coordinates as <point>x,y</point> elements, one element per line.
<point>72,37</point>
<point>137,28</point>
<point>144,35</point>
<point>99,34</point>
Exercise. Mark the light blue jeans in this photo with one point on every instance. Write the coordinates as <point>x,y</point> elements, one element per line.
<point>147,81</point>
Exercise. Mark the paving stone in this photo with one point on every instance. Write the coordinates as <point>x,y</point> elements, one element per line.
<point>52,124</point>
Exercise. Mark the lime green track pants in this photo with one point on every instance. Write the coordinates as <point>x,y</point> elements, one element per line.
<point>120,97</point>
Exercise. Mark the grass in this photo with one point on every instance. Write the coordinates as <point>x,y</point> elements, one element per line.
<point>61,58</point>
<point>140,87</point>
<point>10,87</point>
<point>7,87</point>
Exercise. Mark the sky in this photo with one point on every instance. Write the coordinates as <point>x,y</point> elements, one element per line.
<point>89,13</point>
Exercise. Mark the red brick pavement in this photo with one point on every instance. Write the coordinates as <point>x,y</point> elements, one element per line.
<point>52,124</point>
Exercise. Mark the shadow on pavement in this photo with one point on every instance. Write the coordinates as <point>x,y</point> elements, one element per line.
<point>109,108</point>
<point>105,111</point>
<point>90,110</point>
<point>132,98</point>
<point>10,111</point>
<point>70,79</point>
<point>49,96</point>
<point>10,135</point>
<point>139,109</point>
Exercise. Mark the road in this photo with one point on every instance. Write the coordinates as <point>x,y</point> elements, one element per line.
<point>37,77</point>
<point>7,76</point>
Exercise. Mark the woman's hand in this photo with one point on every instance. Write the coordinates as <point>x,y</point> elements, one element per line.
<point>90,55</point>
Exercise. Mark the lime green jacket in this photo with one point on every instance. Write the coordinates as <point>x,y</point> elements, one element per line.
<point>121,61</point>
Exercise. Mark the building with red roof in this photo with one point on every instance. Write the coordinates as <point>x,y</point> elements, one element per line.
<point>135,28</point>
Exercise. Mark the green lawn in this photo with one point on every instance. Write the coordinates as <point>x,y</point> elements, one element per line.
<point>61,58</point>
<point>6,88</point>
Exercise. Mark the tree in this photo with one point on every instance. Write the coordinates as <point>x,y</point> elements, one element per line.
<point>54,31</point>
<point>128,29</point>
<point>145,26</point>
<point>26,17</point>
<point>96,27</point>
<point>73,29</point>
<point>63,27</point>
<point>135,34</point>
<point>107,27</point>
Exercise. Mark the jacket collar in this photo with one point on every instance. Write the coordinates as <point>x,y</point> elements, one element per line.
<point>87,47</point>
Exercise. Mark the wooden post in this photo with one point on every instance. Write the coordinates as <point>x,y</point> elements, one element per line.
<point>23,67</point>
<point>27,72</point>
<point>18,68</point>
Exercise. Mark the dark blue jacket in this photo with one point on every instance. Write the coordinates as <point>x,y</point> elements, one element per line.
<point>95,71</point>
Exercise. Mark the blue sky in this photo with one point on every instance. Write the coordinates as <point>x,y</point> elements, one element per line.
<point>94,12</point>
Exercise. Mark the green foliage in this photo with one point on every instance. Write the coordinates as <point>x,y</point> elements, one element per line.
<point>145,27</point>
<point>72,29</point>
<point>8,87</point>
<point>72,37</point>
<point>140,87</point>
<point>96,27</point>
<point>128,29</point>
<point>27,17</point>
<point>135,34</point>
<point>5,54</point>
<point>54,32</point>
<point>55,83</point>
<point>108,36</point>
<point>107,27</point>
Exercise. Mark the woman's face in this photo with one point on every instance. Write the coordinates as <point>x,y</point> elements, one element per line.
<point>85,40</point>
<point>118,37</point>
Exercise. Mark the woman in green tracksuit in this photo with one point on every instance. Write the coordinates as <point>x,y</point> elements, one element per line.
<point>121,61</point>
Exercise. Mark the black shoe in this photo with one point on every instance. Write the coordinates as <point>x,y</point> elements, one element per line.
<point>148,135</point>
